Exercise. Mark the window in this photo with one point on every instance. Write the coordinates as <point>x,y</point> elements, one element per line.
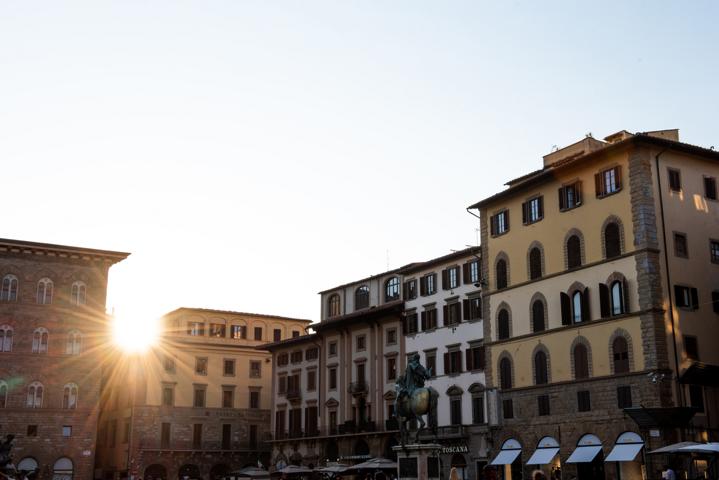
<point>254,399</point>
<point>617,296</point>
<point>258,333</point>
<point>691,347</point>
<point>710,188</point>
<point>620,354</point>
<point>612,299</point>
<point>505,373</point>
<point>62,469</point>
<point>332,348</point>
<point>612,240</point>
<point>256,368</point>
<point>503,324</point>
<point>333,305</point>
<point>311,380</point>
<point>452,313</point>
<point>282,384</point>
<point>226,436</point>
<point>538,316</point>
<point>714,250</point>
<point>280,416</point>
<point>608,182</point>
<point>475,357</point>
<point>228,397</point>
<point>72,347</point>
<point>391,369</point>
<point>675,180</point>
<point>541,375</point>
<point>478,409</point>
<point>276,335</point>
<point>575,309</point>
<point>583,402</point>
<point>77,293</point>
<point>229,367</point>
<point>44,291</point>
<point>238,332</point>
<point>696,397</point>
<point>295,333</point>
<point>217,330</point>
<point>570,196</point>
<point>199,397</point>
<point>6,335</point>
<point>391,289</point>
<point>201,365</point>
<point>196,329</point>
<point>680,245</point>
<point>361,371</point>
<point>533,210</point>
<point>499,223</point>
<point>455,410</point>
<point>9,289</point>
<point>581,362</point>
<point>312,353</point>
<point>450,278</point>
<point>34,395</point>
<point>411,323</point>
<point>507,408</point>
<point>428,285</point>
<point>165,435</point>
<point>470,271</point>
<point>453,362</point>
<point>3,394</point>
<point>535,263</point>
<point>332,380</point>
<point>574,252</point>
<point>197,435</point>
<point>410,289</point>
<point>168,395</point>
<point>296,356</point>
<point>501,269</point>
<point>40,340</point>
<point>624,396</point>
<point>428,318</point>
<point>32,430</point>
<point>67,431</point>
<point>69,396</point>
<point>543,405</point>
<point>473,308</point>
<point>431,362</point>
<point>391,336</point>
<point>283,359</point>
<point>360,342</point>
<point>686,297</point>
<point>362,297</point>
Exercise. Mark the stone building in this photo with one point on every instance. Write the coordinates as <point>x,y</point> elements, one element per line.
<point>198,404</point>
<point>53,334</point>
<point>600,312</point>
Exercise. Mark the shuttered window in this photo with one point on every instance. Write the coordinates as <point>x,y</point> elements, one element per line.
<point>501,274</point>
<point>581,362</point>
<point>620,354</point>
<point>675,180</point>
<point>538,316</point>
<point>499,223</point>
<point>540,368</point>
<point>533,210</point>
<point>535,263</point>
<point>612,241</point>
<point>570,196</point>
<point>503,325</point>
<point>608,182</point>
<point>710,188</point>
<point>505,373</point>
<point>574,252</point>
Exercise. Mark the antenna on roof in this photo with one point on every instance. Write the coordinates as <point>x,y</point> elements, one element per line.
<point>555,148</point>
<point>589,135</point>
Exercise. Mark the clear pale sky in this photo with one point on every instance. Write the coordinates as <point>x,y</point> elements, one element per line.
<point>250,154</point>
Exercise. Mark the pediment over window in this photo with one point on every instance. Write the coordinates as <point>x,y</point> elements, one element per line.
<point>331,402</point>
<point>454,390</point>
<point>476,388</point>
<point>390,395</point>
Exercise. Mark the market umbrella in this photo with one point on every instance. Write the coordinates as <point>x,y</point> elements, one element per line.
<point>377,463</point>
<point>250,472</point>
<point>712,447</point>
<point>335,468</point>
<point>294,470</point>
<point>673,448</point>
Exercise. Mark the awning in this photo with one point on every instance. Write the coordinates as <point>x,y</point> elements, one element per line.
<point>543,456</point>
<point>584,454</point>
<point>626,452</point>
<point>699,373</point>
<point>506,457</point>
<point>661,417</point>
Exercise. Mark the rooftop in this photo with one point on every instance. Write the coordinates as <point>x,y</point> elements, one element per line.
<point>231,312</point>
<point>63,251</point>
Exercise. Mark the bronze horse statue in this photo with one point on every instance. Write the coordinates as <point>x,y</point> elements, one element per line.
<point>422,401</point>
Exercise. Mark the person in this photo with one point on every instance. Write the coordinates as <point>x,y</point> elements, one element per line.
<point>538,475</point>
<point>453,474</point>
<point>668,473</point>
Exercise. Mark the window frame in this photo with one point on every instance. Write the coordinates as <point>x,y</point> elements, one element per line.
<point>392,289</point>
<point>707,181</point>
<point>608,181</point>
<point>255,372</point>
<point>674,179</point>
<point>564,197</point>
<point>533,210</point>
<point>499,223</point>
<point>683,242</point>
<point>362,297</point>
<point>714,250</point>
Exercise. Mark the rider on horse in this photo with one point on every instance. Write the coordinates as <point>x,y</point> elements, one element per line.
<point>413,378</point>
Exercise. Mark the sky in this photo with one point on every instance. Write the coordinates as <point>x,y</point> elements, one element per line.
<point>250,154</point>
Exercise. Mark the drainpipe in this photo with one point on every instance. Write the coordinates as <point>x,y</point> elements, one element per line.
<point>680,390</point>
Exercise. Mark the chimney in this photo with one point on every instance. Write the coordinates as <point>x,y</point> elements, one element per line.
<point>582,147</point>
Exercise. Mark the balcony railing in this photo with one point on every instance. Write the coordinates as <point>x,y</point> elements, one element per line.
<point>358,388</point>
<point>293,394</point>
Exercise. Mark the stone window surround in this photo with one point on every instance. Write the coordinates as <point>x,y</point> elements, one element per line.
<point>620,332</point>
<point>541,347</point>
<point>583,340</point>
<point>505,354</point>
<point>500,307</point>
<point>502,255</point>
<point>542,269</point>
<point>582,250</point>
<point>538,296</point>
<point>612,219</point>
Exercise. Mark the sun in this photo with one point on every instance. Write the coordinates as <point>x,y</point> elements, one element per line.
<point>133,333</point>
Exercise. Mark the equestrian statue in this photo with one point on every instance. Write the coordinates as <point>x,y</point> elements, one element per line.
<point>414,400</point>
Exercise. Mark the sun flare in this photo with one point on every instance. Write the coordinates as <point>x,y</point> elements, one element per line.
<point>134,334</point>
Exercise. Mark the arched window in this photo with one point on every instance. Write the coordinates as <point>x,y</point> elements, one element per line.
<point>538,316</point>
<point>617,292</point>
<point>77,294</point>
<point>581,362</point>
<point>574,252</point>
<point>74,340</point>
<point>505,373</point>
<point>40,340</point>
<point>620,353</point>
<point>9,289</point>
<point>6,334</point>
<point>540,368</point>
<point>501,268</point>
<point>34,395</point>
<point>612,243</point>
<point>362,297</point>
<point>503,324</point>
<point>333,305</point>
<point>44,291</point>
<point>391,289</point>
<point>27,464</point>
<point>69,396</point>
<point>3,394</point>
<point>535,263</point>
<point>62,470</point>
<point>577,307</point>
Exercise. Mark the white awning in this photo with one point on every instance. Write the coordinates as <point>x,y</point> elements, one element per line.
<point>584,454</point>
<point>506,457</point>
<point>624,452</point>
<point>542,456</point>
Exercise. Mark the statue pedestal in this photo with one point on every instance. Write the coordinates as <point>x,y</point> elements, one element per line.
<point>418,461</point>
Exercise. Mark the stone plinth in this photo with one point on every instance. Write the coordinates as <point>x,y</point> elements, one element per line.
<point>418,461</point>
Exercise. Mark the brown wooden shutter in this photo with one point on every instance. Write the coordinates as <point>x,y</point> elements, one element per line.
<point>445,279</point>
<point>468,354</point>
<point>482,353</point>
<point>604,300</point>
<point>578,193</point>
<point>598,185</point>
<point>585,305</point>
<point>493,225</point>
<point>562,202</point>
<point>506,220</point>
<point>618,176</point>
<point>405,288</point>
<point>625,297</point>
<point>566,309</point>
<point>458,354</point>
<point>465,306</point>
<point>447,369</point>
<point>423,320</point>
<point>465,273</point>
<point>445,315</point>
<point>423,286</point>
<point>695,298</point>
<point>525,214</point>
<point>541,206</point>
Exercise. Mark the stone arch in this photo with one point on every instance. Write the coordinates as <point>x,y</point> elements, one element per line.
<point>542,268</point>
<point>620,332</point>
<point>582,247</point>
<point>189,470</point>
<point>501,256</point>
<point>503,306</point>
<point>579,339</point>
<point>538,297</point>
<point>454,390</point>
<point>476,388</point>
<point>612,219</point>
<point>541,348</point>
<point>508,356</point>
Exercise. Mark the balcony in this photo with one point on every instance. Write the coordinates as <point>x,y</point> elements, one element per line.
<point>293,395</point>
<point>358,388</point>
<point>446,432</point>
